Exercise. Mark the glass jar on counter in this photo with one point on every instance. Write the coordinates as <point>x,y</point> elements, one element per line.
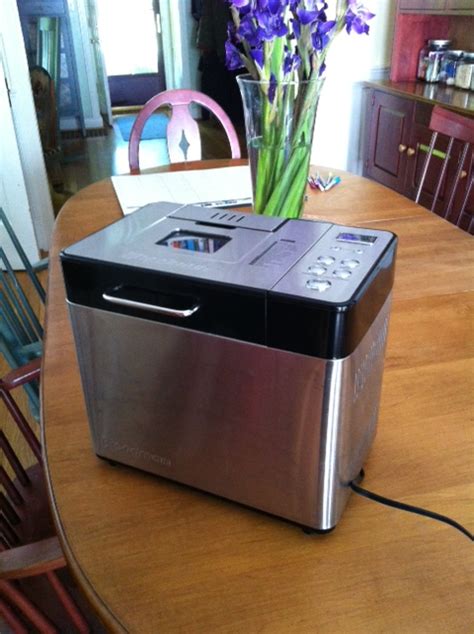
<point>449,63</point>
<point>465,72</point>
<point>429,61</point>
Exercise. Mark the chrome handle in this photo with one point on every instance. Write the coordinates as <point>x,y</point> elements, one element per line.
<point>410,151</point>
<point>163,310</point>
<point>402,148</point>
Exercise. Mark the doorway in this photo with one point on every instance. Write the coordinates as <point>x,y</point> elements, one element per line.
<point>131,43</point>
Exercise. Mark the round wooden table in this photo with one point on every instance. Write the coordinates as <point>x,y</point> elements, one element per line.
<point>153,556</point>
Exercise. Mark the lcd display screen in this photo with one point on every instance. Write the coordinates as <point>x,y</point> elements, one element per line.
<point>358,238</point>
<point>191,241</point>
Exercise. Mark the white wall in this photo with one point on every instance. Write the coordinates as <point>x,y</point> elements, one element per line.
<point>352,59</point>
<point>40,211</point>
<point>181,56</point>
<point>13,196</point>
<point>86,68</point>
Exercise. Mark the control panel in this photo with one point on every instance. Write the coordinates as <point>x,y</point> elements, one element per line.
<point>334,268</point>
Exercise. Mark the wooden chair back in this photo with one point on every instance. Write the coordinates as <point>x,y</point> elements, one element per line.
<point>182,133</point>
<point>460,129</point>
<point>21,331</point>
<point>32,591</point>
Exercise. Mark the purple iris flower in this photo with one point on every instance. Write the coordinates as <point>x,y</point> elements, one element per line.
<point>320,36</point>
<point>291,61</point>
<point>250,32</point>
<point>240,3</point>
<point>307,17</point>
<point>232,56</point>
<point>357,17</point>
<point>257,56</point>
<point>274,6</point>
<point>277,6</point>
<point>296,28</point>
<point>271,25</point>
<point>302,24</point>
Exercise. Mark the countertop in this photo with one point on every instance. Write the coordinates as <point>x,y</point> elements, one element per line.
<point>461,101</point>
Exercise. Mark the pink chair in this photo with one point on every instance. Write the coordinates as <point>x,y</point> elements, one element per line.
<point>182,134</point>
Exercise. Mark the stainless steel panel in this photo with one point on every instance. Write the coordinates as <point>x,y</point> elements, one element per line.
<point>278,431</point>
<point>252,258</point>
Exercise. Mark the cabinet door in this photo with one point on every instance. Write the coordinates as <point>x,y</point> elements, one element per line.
<point>389,124</point>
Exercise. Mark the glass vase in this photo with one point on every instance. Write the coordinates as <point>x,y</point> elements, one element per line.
<point>279,124</point>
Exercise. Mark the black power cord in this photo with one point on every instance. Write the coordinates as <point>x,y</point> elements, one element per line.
<point>407,507</point>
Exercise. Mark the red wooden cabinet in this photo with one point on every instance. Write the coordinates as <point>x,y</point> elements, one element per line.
<point>389,130</point>
<point>395,145</point>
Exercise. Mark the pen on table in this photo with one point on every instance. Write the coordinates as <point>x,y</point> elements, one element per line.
<point>231,202</point>
<point>316,182</point>
<point>332,182</point>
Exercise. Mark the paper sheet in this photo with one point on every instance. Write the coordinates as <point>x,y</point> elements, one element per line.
<point>221,187</point>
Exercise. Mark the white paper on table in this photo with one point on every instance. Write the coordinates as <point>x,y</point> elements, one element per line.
<point>220,187</point>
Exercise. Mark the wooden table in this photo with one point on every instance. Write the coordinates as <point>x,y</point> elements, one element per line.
<point>153,556</point>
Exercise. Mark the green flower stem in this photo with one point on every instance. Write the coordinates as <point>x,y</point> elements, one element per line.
<point>281,134</point>
<point>281,147</point>
<point>288,188</point>
<point>310,102</point>
<point>287,196</point>
<point>271,160</point>
<point>295,196</point>
<point>263,183</point>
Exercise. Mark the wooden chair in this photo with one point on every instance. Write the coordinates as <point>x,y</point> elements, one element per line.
<point>458,129</point>
<point>31,269</point>
<point>182,134</point>
<point>21,332</point>
<point>35,589</point>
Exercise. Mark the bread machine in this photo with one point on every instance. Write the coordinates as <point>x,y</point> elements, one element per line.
<point>239,354</point>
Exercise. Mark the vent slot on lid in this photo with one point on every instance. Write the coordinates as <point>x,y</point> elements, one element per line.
<point>228,218</point>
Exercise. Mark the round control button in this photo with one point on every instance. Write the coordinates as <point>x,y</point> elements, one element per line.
<point>326,259</point>
<point>335,248</point>
<point>342,274</point>
<point>317,269</point>
<point>359,251</point>
<point>352,264</point>
<point>318,285</point>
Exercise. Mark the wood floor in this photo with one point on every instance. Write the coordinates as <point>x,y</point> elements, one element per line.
<point>91,159</point>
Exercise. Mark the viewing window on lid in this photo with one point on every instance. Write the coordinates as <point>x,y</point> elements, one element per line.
<point>190,241</point>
